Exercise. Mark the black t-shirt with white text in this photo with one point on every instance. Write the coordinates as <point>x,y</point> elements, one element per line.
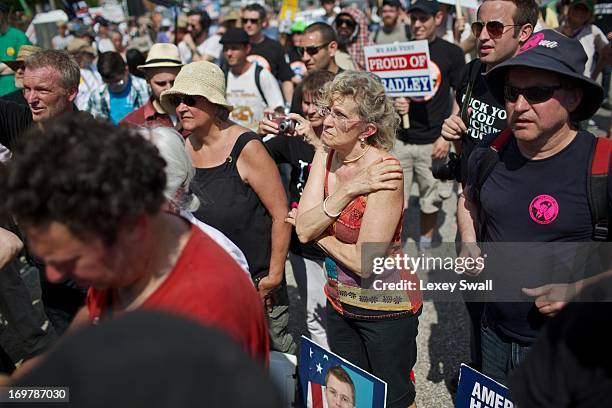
<point>428,114</point>
<point>488,116</point>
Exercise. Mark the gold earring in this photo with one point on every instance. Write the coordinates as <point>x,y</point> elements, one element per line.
<point>362,142</point>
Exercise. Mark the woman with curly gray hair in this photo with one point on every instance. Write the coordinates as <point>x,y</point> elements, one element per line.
<point>354,195</point>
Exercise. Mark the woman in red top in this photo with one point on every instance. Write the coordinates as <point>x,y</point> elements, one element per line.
<point>354,196</point>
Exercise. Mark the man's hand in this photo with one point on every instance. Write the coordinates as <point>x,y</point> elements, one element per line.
<point>471,250</point>
<point>266,288</point>
<point>440,149</point>
<point>402,105</point>
<point>551,298</point>
<point>453,127</point>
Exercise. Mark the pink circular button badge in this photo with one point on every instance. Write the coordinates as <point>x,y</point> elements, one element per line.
<point>543,209</point>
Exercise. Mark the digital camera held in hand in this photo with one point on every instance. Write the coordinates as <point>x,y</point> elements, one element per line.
<point>286,126</point>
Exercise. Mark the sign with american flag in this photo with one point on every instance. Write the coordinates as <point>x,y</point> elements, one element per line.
<point>329,381</point>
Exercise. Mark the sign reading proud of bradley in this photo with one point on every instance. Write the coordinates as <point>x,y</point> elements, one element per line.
<point>403,67</point>
<point>476,390</point>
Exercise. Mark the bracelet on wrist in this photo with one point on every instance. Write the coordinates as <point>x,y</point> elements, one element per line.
<point>327,212</point>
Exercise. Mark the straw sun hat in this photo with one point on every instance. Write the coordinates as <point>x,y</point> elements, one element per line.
<point>200,78</point>
<point>163,55</point>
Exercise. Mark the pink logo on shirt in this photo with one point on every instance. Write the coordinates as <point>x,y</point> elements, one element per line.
<point>543,209</point>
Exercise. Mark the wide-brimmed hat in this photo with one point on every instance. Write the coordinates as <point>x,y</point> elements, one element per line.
<point>80,45</point>
<point>24,52</point>
<point>163,55</point>
<point>550,50</point>
<point>201,78</point>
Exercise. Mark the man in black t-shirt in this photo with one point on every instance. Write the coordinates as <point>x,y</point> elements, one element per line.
<point>265,51</point>
<point>421,144</point>
<point>537,189</point>
<point>495,44</point>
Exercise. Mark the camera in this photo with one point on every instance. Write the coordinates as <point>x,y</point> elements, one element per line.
<point>451,170</point>
<point>286,126</point>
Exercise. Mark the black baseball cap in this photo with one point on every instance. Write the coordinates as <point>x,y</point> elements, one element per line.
<point>550,50</point>
<point>235,36</point>
<point>426,6</point>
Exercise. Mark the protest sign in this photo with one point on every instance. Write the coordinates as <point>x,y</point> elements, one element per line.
<point>476,390</point>
<point>402,67</point>
<point>324,376</point>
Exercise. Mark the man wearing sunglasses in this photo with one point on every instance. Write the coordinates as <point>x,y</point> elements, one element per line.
<point>196,45</point>
<point>264,50</point>
<point>536,186</point>
<point>352,30</point>
<point>502,26</point>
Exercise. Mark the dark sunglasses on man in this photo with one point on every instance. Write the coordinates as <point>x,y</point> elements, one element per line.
<point>249,20</point>
<point>346,22</point>
<point>495,28</point>
<point>312,50</point>
<point>533,94</point>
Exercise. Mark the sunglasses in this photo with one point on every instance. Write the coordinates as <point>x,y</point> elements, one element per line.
<point>188,100</point>
<point>346,22</point>
<point>533,94</point>
<point>250,20</point>
<point>312,50</point>
<point>494,28</point>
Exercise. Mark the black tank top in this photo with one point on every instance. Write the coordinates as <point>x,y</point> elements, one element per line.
<point>232,206</point>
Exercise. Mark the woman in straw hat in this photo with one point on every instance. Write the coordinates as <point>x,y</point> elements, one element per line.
<point>238,185</point>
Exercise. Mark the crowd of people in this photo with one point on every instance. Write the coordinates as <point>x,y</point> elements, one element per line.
<point>177,166</point>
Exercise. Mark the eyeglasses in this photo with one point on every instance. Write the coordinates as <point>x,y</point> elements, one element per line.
<point>494,28</point>
<point>312,50</point>
<point>345,21</point>
<point>250,20</point>
<point>188,100</point>
<point>533,94</point>
<point>343,121</point>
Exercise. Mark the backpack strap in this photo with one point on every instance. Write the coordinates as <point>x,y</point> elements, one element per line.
<point>485,167</point>
<point>258,69</point>
<point>597,185</point>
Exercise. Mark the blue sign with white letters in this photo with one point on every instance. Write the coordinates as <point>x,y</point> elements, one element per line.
<point>476,390</point>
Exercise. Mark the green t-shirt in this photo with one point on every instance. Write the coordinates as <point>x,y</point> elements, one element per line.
<point>10,42</point>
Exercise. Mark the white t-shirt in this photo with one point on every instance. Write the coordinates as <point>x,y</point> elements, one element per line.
<point>248,103</point>
<point>223,241</point>
<point>593,40</point>
<point>211,46</point>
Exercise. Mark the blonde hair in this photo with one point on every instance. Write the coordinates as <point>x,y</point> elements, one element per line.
<point>373,105</point>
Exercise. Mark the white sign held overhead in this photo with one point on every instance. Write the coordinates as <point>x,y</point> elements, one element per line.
<point>402,67</point>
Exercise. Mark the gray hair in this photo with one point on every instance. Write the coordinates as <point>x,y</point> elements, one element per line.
<point>373,105</point>
<point>59,60</point>
<point>179,169</point>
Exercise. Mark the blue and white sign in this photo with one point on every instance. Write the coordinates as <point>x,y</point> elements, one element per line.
<point>476,390</point>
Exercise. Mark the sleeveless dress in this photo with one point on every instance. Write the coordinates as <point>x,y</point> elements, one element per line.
<point>353,296</point>
<point>232,206</point>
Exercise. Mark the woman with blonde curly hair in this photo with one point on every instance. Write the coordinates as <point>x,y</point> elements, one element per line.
<point>354,196</point>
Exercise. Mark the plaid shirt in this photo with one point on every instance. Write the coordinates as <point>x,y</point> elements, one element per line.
<point>99,102</point>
